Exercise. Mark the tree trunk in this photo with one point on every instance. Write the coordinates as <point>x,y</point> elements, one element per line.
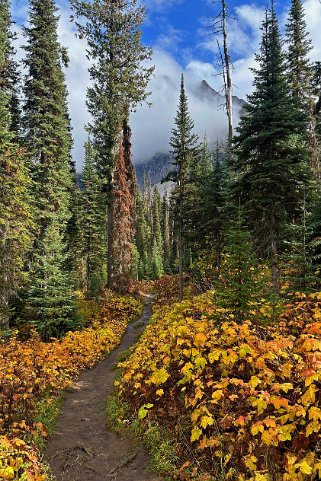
<point>228,84</point>
<point>87,275</point>
<point>180,243</point>
<point>180,262</point>
<point>314,147</point>
<point>4,315</point>
<point>274,255</point>
<point>110,242</point>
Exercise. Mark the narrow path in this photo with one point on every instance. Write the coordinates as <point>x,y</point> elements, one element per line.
<point>83,448</point>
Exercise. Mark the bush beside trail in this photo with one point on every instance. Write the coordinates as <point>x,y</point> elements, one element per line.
<point>243,399</point>
<point>33,370</point>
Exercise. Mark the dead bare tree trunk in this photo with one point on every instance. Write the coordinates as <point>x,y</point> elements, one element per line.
<point>228,74</point>
<point>220,27</point>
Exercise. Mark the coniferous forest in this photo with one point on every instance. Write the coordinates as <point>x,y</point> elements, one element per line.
<point>224,382</point>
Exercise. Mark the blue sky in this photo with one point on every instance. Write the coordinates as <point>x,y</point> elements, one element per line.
<point>177,31</point>
<point>181,26</point>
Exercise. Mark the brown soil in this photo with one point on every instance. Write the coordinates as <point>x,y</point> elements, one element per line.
<point>83,448</point>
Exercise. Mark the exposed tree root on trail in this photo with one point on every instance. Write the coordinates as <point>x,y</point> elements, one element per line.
<point>83,448</point>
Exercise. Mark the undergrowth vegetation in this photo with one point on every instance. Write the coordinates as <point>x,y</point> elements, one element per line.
<point>34,373</point>
<point>241,399</point>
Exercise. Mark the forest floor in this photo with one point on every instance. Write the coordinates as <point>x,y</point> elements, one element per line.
<point>83,448</point>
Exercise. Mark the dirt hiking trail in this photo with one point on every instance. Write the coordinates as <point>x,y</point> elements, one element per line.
<point>83,448</point>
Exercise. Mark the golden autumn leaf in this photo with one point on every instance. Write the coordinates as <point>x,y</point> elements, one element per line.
<point>257,428</point>
<point>200,339</point>
<point>317,468</point>
<point>314,413</point>
<point>310,379</point>
<point>143,411</point>
<point>261,477</point>
<point>270,437</point>
<point>250,462</point>
<point>244,350</point>
<point>214,355</point>
<point>217,395</point>
<point>309,396</point>
<point>206,421</point>
<point>304,467</point>
<point>196,434</point>
<point>254,381</point>
<point>200,362</point>
<point>159,377</point>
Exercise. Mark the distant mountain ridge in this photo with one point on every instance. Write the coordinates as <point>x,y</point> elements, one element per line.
<point>156,168</point>
<point>205,90</point>
<point>160,164</point>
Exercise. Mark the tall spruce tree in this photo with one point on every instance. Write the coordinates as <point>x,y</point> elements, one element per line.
<point>15,213</point>
<point>271,151</point>
<point>120,78</point>
<point>90,245</point>
<point>166,233</point>
<point>143,232</point>
<point>156,237</point>
<point>9,76</point>
<point>300,73</point>
<point>184,144</point>
<point>316,130</point>
<point>238,283</point>
<point>211,188</point>
<point>47,136</point>
<point>297,58</point>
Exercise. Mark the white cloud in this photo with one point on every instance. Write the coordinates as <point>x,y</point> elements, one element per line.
<point>313,18</point>
<point>152,125</point>
<point>243,31</point>
<point>77,78</point>
<point>171,37</point>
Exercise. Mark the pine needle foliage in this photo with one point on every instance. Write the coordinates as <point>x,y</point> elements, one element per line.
<point>271,148</point>
<point>15,212</point>
<point>48,300</point>
<point>120,76</point>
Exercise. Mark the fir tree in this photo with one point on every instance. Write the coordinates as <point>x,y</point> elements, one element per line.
<point>300,73</point>
<point>143,232</point>
<point>297,59</point>
<point>298,255</point>
<point>271,151</point>
<point>156,237</point>
<point>9,76</point>
<point>315,140</point>
<point>112,30</point>
<point>90,245</point>
<point>212,198</point>
<point>15,213</point>
<point>166,233</point>
<point>47,135</point>
<point>184,148</point>
<point>238,285</point>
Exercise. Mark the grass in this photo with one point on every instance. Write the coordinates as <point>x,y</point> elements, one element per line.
<point>157,440</point>
<point>123,356</point>
<point>139,325</point>
<point>47,414</point>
